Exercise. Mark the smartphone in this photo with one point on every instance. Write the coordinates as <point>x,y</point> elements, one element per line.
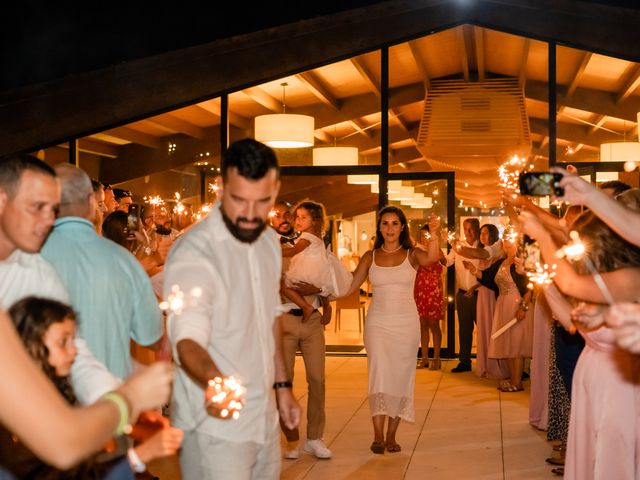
<point>540,184</point>
<point>133,219</point>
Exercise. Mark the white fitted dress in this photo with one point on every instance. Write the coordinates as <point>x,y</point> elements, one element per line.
<point>392,337</point>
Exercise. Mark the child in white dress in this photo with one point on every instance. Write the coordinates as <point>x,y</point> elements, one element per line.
<point>310,262</point>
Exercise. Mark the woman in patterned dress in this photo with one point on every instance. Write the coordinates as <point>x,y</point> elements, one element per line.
<point>428,294</point>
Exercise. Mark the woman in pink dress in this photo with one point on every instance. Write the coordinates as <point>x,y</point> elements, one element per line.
<point>429,297</point>
<point>513,302</point>
<point>604,440</point>
<point>487,367</point>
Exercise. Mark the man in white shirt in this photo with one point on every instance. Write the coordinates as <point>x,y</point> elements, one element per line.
<point>309,338</point>
<point>228,267</point>
<point>465,297</point>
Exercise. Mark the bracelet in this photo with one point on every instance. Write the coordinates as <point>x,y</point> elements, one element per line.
<point>137,465</point>
<point>124,427</point>
<point>285,384</point>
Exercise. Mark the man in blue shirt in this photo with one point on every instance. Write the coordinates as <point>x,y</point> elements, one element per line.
<point>107,286</point>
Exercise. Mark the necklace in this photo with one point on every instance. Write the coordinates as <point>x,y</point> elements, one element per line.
<point>390,251</point>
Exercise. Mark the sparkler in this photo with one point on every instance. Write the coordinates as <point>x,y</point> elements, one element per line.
<point>542,275</point>
<point>509,174</point>
<point>220,390</point>
<point>179,209</point>
<point>176,300</point>
<point>575,250</point>
<point>155,200</point>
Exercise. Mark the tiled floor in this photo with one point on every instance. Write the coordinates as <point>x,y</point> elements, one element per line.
<point>464,429</point>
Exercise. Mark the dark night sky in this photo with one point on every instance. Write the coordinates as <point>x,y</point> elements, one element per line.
<point>45,40</point>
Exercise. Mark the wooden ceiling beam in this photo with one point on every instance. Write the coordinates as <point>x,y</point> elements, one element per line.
<point>631,84</point>
<point>422,68</point>
<point>524,60</point>
<point>318,89</point>
<point>173,124</point>
<point>213,107</point>
<point>261,97</point>
<point>572,133</point>
<point>134,136</point>
<point>586,58</point>
<point>479,40</point>
<point>360,127</point>
<point>461,45</point>
<point>88,145</point>
<point>597,123</point>
<point>371,81</point>
<point>589,100</point>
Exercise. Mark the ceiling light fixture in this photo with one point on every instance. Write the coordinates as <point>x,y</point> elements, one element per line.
<point>284,130</point>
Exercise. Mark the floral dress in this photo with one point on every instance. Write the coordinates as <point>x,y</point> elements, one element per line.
<point>427,292</point>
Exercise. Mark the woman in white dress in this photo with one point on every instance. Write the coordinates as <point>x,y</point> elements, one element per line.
<point>392,327</point>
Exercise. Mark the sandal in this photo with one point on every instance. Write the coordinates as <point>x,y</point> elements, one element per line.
<point>377,447</point>
<point>393,447</point>
<point>510,388</point>
<point>423,363</point>
<point>503,384</point>
<point>435,364</point>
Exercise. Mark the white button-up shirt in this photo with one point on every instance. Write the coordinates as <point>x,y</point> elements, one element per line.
<point>464,278</point>
<point>232,318</point>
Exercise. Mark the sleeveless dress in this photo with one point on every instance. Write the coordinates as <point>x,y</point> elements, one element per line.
<point>518,340</point>
<point>392,337</point>
<point>427,292</point>
<point>603,429</point>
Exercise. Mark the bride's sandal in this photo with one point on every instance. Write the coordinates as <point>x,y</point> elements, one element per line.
<point>393,447</point>
<point>377,447</point>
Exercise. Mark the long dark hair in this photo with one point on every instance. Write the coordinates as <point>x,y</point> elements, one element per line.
<point>115,228</point>
<point>32,316</point>
<point>405,237</point>
<point>494,233</point>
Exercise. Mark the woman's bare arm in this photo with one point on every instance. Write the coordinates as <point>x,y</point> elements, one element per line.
<point>361,272</point>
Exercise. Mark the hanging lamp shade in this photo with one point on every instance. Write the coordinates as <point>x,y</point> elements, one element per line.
<point>620,152</point>
<point>285,130</point>
<point>362,179</point>
<point>335,156</point>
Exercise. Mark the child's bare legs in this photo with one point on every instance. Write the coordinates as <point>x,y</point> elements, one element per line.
<point>326,311</point>
<point>295,297</point>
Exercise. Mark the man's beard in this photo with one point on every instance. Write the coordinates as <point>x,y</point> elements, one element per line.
<point>246,235</point>
<point>285,229</point>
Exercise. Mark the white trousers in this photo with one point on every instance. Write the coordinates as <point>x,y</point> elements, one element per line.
<point>204,457</point>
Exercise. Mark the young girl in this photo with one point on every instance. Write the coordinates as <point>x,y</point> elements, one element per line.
<point>310,261</point>
<point>47,329</point>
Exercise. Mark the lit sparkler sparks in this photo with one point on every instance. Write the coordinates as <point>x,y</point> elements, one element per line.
<point>509,174</point>
<point>176,300</point>
<point>575,250</point>
<point>205,208</point>
<point>542,275</point>
<point>510,234</point>
<point>179,209</point>
<point>572,250</point>
<point>155,200</point>
<point>227,393</point>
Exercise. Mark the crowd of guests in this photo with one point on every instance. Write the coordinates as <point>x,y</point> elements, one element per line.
<point>80,285</point>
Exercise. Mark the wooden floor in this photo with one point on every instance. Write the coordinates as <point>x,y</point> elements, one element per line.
<point>465,429</point>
